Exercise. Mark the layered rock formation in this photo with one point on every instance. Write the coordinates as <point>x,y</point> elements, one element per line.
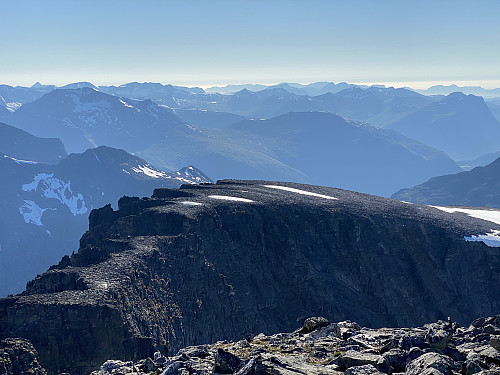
<point>219,261</point>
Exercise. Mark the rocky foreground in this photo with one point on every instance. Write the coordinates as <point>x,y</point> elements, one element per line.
<point>318,348</point>
<point>321,348</point>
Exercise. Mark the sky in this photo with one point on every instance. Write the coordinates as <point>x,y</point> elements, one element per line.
<point>215,42</point>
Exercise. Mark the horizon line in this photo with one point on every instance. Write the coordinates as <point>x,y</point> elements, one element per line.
<point>414,85</point>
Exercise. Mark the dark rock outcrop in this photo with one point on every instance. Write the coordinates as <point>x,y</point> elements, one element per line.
<point>222,261</point>
<point>19,357</point>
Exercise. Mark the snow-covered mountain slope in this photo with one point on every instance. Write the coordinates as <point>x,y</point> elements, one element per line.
<point>84,118</point>
<point>45,208</point>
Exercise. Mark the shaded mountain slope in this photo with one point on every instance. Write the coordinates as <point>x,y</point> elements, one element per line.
<point>19,144</point>
<point>460,125</point>
<point>477,187</point>
<point>208,119</point>
<point>212,262</point>
<point>336,152</point>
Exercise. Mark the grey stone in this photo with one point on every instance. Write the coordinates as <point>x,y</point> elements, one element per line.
<point>495,342</point>
<point>226,363</point>
<point>172,368</point>
<point>412,340</point>
<point>363,370</point>
<point>430,363</point>
<point>352,358</point>
<point>253,367</point>
<point>396,358</point>
<point>439,334</point>
<point>471,367</point>
<point>491,329</point>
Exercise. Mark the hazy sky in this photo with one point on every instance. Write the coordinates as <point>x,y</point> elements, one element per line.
<point>235,41</point>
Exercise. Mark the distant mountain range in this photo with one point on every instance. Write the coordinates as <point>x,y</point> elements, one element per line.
<point>460,125</point>
<point>45,208</point>
<point>474,90</point>
<point>478,187</point>
<point>311,89</point>
<point>318,153</point>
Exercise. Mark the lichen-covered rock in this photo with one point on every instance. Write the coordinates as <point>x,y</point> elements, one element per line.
<point>310,324</point>
<point>18,356</point>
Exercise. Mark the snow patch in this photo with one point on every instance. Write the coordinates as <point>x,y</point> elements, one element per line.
<point>298,191</point>
<point>32,186</point>
<point>149,171</point>
<point>55,188</point>
<point>488,215</point>
<point>126,104</point>
<point>13,106</point>
<point>228,198</point>
<point>19,161</point>
<point>189,203</point>
<point>491,239</point>
<point>32,213</point>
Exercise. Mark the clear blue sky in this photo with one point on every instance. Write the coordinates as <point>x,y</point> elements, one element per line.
<point>234,41</point>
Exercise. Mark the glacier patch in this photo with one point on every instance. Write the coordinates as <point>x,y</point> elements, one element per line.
<point>54,188</point>
<point>32,213</point>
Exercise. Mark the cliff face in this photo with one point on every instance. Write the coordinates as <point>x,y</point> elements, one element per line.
<point>211,262</point>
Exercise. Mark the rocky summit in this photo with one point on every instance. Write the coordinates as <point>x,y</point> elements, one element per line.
<point>211,262</point>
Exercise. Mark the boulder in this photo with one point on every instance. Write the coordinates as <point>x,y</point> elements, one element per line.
<point>313,323</point>
<point>430,363</point>
<point>495,342</point>
<point>412,340</point>
<point>396,358</point>
<point>253,367</point>
<point>226,363</point>
<point>439,334</point>
<point>353,358</point>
